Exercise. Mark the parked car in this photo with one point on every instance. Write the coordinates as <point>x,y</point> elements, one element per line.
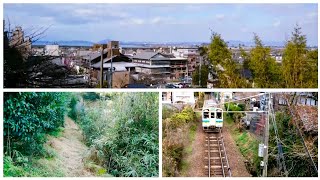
<point>170,86</point>
<point>136,86</point>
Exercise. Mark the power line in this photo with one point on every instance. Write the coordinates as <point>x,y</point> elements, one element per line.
<point>300,133</point>
<point>280,158</point>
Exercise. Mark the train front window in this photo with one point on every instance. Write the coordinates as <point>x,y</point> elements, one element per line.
<point>212,115</point>
<point>219,115</point>
<point>206,115</point>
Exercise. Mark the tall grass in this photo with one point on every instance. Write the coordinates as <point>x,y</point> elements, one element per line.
<point>178,130</point>
<point>123,133</point>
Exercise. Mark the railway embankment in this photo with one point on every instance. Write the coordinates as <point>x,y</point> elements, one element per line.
<point>179,133</point>
<point>242,150</point>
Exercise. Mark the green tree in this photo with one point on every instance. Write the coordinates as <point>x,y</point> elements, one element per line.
<point>220,58</point>
<point>299,65</point>
<point>203,77</point>
<point>311,69</point>
<point>264,68</point>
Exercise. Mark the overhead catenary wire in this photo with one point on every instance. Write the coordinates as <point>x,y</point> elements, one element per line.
<point>280,159</point>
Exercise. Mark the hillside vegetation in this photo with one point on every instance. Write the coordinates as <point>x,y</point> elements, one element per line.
<point>120,134</point>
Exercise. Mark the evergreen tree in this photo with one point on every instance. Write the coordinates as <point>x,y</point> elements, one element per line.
<point>221,60</point>
<point>299,65</point>
<point>264,68</point>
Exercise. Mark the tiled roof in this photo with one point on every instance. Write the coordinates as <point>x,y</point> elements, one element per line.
<point>308,116</point>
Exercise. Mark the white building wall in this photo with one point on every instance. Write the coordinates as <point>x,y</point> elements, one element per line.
<point>51,50</point>
<point>186,97</point>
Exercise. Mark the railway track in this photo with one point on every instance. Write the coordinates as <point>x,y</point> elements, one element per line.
<point>218,165</point>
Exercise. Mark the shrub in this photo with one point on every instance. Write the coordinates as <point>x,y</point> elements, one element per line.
<point>176,132</point>
<point>124,131</point>
<point>28,117</point>
<point>91,96</point>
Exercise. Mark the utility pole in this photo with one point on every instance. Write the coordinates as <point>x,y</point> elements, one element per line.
<point>200,72</point>
<point>187,69</point>
<point>111,67</point>
<point>266,136</point>
<point>101,67</point>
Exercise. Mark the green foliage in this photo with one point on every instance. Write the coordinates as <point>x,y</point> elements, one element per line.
<point>296,160</point>
<point>72,105</point>
<point>299,67</point>
<point>21,166</point>
<point>203,77</point>
<point>185,116</point>
<point>219,52</point>
<point>234,107</point>
<point>124,131</point>
<point>28,117</point>
<point>91,96</point>
<point>220,57</point>
<point>178,135</point>
<point>248,146</point>
<point>167,112</point>
<point>265,71</point>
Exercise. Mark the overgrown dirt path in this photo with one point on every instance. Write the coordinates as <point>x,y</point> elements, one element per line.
<point>197,161</point>
<point>235,158</point>
<point>71,150</point>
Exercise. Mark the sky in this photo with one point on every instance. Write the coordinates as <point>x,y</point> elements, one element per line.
<point>165,22</point>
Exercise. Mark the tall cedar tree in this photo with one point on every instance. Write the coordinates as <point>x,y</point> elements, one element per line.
<point>264,68</point>
<point>299,65</point>
<point>221,59</point>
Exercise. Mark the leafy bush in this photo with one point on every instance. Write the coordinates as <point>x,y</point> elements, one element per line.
<point>234,107</point>
<point>72,105</point>
<point>167,112</point>
<point>90,96</point>
<point>177,132</point>
<point>124,132</point>
<point>297,162</point>
<point>28,117</point>
<point>185,116</point>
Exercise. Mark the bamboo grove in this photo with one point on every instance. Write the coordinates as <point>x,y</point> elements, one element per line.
<point>299,67</point>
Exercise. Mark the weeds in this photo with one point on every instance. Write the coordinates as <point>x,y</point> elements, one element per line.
<point>124,133</point>
<point>178,134</point>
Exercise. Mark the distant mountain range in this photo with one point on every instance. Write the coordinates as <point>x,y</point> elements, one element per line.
<point>231,43</point>
<point>64,43</point>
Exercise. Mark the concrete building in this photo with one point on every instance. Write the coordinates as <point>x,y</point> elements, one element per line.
<point>122,67</point>
<point>178,98</point>
<point>52,50</point>
<point>159,65</point>
<point>192,55</point>
<point>154,64</point>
